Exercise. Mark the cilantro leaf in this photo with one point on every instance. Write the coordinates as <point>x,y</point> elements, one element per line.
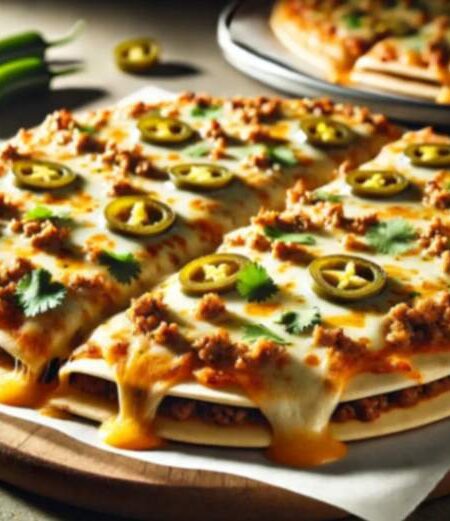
<point>254,283</point>
<point>122,266</point>
<point>280,235</point>
<point>201,149</point>
<point>43,213</point>
<point>447,186</point>
<point>321,195</point>
<point>391,237</point>
<point>282,155</point>
<point>209,112</point>
<point>353,19</point>
<point>297,323</point>
<point>246,151</point>
<point>36,293</point>
<point>253,332</point>
<point>88,129</point>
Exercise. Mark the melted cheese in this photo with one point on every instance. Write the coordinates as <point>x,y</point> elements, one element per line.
<point>299,395</point>
<point>203,218</point>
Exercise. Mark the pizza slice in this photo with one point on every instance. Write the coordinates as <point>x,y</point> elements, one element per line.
<point>97,208</point>
<point>416,65</point>
<point>323,323</point>
<point>399,46</point>
<point>332,35</point>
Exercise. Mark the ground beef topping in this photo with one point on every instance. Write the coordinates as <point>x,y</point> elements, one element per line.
<point>9,209</point>
<point>147,313</point>
<point>211,307</point>
<point>169,335</point>
<point>291,252</point>
<point>44,235</point>
<point>371,408</point>
<point>292,220</point>
<point>436,193</point>
<point>435,238</point>
<point>128,161</point>
<point>426,322</point>
<point>332,216</point>
<point>219,351</point>
<point>336,339</point>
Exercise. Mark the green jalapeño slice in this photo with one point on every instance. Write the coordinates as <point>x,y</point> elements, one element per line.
<point>200,176</point>
<point>139,215</point>
<point>347,278</point>
<point>326,132</point>
<point>434,155</point>
<point>217,273</point>
<point>42,175</point>
<point>164,131</point>
<point>137,56</point>
<point>376,183</point>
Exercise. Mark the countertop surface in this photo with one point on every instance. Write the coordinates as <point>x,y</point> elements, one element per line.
<point>192,60</point>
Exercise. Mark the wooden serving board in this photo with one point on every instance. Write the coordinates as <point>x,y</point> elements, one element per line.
<point>48,463</point>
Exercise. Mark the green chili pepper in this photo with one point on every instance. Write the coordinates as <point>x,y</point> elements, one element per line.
<point>32,43</point>
<point>25,75</point>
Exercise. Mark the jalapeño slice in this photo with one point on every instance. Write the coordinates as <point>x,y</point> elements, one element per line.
<point>42,175</point>
<point>137,55</point>
<point>347,278</point>
<point>326,132</point>
<point>376,183</point>
<point>200,176</point>
<point>164,131</point>
<point>429,154</point>
<point>139,215</point>
<point>217,272</point>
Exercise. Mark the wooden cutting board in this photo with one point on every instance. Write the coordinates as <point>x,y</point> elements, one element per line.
<point>51,464</point>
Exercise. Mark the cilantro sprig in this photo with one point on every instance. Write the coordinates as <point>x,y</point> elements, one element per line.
<point>391,237</point>
<point>354,19</point>
<point>282,155</point>
<point>209,112</point>
<point>254,283</point>
<point>43,213</point>
<point>87,129</point>
<point>254,332</point>
<point>300,238</point>
<point>296,323</point>
<point>36,292</point>
<point>201,149</point>
<point>321,195</point>
<point>122,266</point>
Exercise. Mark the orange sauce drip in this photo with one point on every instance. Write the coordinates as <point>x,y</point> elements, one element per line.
<point>261,309</point>
<point>129,434</point>
<point>348,320</point>
<point>303,449</point>
<point>19,390</point>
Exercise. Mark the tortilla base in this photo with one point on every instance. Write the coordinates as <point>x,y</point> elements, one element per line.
<point>197,432</point>
<point>395,84</point>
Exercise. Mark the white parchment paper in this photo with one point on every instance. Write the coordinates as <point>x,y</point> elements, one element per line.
<point>383,479</point>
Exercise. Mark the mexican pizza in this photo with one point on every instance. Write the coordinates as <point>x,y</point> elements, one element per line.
<point>97,208</point>
<point>325,322</point>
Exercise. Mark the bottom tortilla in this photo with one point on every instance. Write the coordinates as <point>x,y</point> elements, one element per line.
<point>396,84</point>
<point>253,435</point>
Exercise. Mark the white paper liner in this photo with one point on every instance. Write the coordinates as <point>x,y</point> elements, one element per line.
<point>379,480</point>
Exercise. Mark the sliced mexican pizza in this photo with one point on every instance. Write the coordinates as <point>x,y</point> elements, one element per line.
<point>97,208</point>
<point>326,322</point>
